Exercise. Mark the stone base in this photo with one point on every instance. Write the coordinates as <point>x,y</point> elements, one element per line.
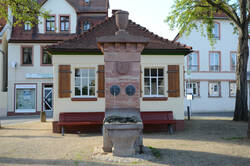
<point>100,155</point>
<point>123,139</point>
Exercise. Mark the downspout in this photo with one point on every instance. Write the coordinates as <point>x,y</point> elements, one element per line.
<point>2,71</point>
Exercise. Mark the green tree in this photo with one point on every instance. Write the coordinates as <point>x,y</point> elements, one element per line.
<point>24,11</point>
<point>186,13</point>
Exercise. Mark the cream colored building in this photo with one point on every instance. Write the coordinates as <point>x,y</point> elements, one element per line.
<point>78,85</point>
<point>30,70</point>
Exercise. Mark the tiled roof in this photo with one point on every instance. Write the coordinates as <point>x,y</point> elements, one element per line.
<point>87,41</point>
<point>79,7</point>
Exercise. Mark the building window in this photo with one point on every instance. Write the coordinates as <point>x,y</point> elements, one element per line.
<point>232,86</point>
<point>193,88</point>
<point>27,56</point>
<point>46,57</point>
<point>193,62</point>
<point>64,23</point>
<point>84,82</point>
<point>87,2</point>
<point>154,82</point>
<point>25,98</point>
<point>27,26</point>
<point>214,59</point>
<point>233,56</point>
<point>86,26</point>
<point>214,89</point>
<point>51,24</point>
<point>216,31</point>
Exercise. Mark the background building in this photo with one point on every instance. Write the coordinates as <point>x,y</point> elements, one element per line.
<point>210,70</point>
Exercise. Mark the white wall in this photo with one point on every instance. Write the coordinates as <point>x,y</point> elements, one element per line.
<point>18,74</point>
<point>76,61</point>
<point>3,104</point>
<point>227,43</point>
<point>57,8</point>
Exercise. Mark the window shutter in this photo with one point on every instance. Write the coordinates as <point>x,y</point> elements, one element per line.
<point>101,81</point>
<point>64,81</point>
<point>173,81</point>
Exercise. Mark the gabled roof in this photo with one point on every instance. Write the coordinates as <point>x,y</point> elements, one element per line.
<point>77,5</point>
<point>86,42</point>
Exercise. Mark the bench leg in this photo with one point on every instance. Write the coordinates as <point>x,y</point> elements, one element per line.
<point>62,131</point>
<point>170,129</point>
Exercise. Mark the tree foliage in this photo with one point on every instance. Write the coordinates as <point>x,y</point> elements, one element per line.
<point>186,13</point>
<point>24,11</point>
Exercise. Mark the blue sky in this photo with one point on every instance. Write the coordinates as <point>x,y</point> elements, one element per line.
<point>148,13</point>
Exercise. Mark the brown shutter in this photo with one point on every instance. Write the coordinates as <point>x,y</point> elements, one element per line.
<point>64,81</point>
<point>173,81</point>
<point>101,81</point>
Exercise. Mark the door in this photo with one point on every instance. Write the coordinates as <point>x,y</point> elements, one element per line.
<point>47,99</point>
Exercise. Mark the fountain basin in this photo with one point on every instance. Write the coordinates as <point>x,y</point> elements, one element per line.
<point>123,137</point>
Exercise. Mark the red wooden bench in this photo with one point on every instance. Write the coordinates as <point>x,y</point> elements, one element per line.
<point>80,118</point>
<point>159,117</point>
<point>96,118</point>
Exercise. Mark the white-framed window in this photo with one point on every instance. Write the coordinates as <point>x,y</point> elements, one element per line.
<point>216,30</point>
<point>27,26</point>
<point>214,89</point>
<point>86,26</point>
<point>232,89</point>
<point>214,59</point>
<point>193,88</point>
<point>85,82</point>
<point>233,57</point>
<point>193,62</point>
<point>154,82</point>
<point>25,98</point>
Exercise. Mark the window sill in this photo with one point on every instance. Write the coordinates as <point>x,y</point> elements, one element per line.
<point>26,65</point>
<point>214,96</point>
<point>84,99</point>
<point>154,98</point>
<point>46,65</point>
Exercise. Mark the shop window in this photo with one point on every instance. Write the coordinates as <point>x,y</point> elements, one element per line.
<point>232,90</point>
<point>25,98</point>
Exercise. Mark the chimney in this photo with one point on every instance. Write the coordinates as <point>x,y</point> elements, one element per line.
<point>121,18</point>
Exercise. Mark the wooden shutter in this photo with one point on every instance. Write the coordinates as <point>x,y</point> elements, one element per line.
<point>64,81</point>
<point>101,81</point>
<point>173,81</point>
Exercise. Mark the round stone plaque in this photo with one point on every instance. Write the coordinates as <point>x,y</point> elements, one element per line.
<point>130,90</point>
<point>115,90</point>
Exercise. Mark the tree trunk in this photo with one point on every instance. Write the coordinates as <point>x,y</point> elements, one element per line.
<point>241,107</point>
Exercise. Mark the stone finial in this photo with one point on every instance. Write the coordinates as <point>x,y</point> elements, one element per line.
<point>121,18</point>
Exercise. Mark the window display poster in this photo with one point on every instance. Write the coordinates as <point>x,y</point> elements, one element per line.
<point>25,99</point>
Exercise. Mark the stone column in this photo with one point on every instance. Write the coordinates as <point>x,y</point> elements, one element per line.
<point>122,57</point>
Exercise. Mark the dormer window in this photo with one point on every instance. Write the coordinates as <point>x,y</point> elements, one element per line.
<point>50,24</point>
<point>86,26</point>
<point>64,23</point>
<point>87,2</point>
<point>216,31</point>
<point>27,26</point>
